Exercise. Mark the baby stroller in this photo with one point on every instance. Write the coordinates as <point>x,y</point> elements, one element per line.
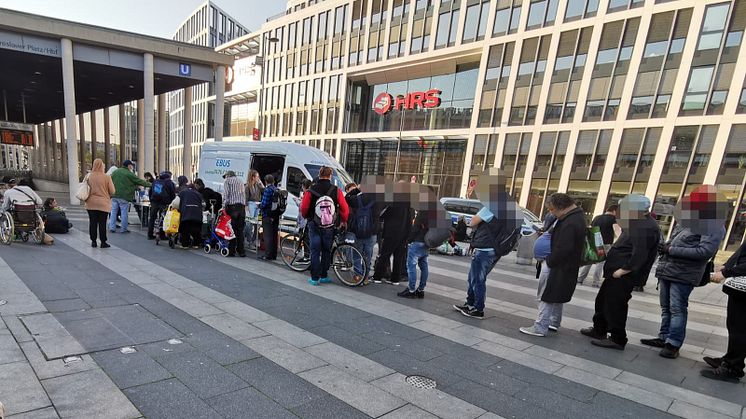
<point>220,233</point>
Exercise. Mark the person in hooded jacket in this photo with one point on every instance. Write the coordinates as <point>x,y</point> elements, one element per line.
<point>160,201</point>
<point>98,203</point>
<point>183,183</point>
<point>190,227</point>
<point>364,240</point>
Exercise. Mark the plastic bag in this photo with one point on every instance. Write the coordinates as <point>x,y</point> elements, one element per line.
<point>171,221</point>
<point>224,228</point>
<point>594,250</point>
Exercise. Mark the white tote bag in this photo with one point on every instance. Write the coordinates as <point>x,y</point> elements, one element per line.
<point>84,191</point>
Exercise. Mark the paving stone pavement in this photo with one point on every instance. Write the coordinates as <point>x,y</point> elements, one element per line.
<point>257,341</point>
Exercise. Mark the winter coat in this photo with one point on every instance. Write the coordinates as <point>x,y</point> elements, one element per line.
<point>397,221</point>
<point>568,238</point>
<point>208,195</point>
<point>634,251</point>
<point>55,221</point>
<point>688,255</point>
<point>190,205</point>
<point>736,266</point>
<point>352,203</point>
<point>420,225</point>
<point>102,188</point>
<point>125,183</point>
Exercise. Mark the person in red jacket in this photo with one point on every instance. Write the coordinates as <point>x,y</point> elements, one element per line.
<point>325,208</point>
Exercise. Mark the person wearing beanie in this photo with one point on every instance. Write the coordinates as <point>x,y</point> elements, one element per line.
<point>628,264</point>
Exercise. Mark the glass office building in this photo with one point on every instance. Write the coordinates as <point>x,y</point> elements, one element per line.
<point>596,98</point>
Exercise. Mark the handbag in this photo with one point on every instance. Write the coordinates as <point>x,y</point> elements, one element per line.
<point>84,191</point>
<point>737,283</point>
<point>594,250</point>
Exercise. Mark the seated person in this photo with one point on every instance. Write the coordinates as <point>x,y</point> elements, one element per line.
<point>20,194</point>
<point>55,220</point>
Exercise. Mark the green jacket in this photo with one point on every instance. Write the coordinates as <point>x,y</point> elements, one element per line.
<point>125,183</point>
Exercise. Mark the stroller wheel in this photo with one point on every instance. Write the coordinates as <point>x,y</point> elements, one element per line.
<point>171,243</point>
<point>225,252</point>
<point>207,248</point>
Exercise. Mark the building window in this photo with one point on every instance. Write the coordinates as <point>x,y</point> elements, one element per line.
<point>476,21</point>
<point>494,89</point>
<point>541,13</point>
<point>588,167</point>
<point>579,9</point>
<point>447,24</point>
<point>617,5</point>
<point>530,78</point>
<point>507,16</point>
<point>547,170</point>
<point>730,181</point>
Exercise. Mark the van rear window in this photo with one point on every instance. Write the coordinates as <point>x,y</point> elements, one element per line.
<point>339,177</point>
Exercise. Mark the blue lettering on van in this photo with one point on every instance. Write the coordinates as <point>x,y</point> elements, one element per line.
<point>222,163</point>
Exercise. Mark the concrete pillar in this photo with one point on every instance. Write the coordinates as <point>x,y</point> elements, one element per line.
<point>187,155</point>
<point>81,146</point>
<point>122,136</point>
<point>162,142</point>
<point>94,134</point>
<point>107,139</point>
<point>149,111</point>
<point>55,152</point>
<point>219,103</point>
<point>44,148</point>
<point>140,136</point>
<point>63,153</point>
<point>68,83</point>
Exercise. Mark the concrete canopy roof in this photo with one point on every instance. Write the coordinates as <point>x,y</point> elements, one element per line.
<point>107,65</point>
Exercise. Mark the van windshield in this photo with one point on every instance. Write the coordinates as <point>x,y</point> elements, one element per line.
<point>340,178</point>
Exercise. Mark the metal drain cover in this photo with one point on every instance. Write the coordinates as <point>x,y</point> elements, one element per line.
<point>419,381</point>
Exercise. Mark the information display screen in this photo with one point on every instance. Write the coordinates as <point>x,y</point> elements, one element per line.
<point>16,137</point>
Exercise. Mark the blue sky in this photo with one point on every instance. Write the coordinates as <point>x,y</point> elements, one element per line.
<point>150,17</point>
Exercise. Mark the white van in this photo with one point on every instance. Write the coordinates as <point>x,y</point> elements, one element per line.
<point>289,163</point>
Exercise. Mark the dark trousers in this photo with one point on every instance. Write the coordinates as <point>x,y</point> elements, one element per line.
<point>270,225</point>
<point>736,323</point>
<point>321,250</point>
<point>612,304</point>
<point>237,212</point>
<point>155,209</point>
<point>191,233</point>
<point>391,246</point>
<point>97,225</point>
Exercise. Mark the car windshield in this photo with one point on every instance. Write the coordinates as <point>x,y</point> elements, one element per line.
<point>340,178</point>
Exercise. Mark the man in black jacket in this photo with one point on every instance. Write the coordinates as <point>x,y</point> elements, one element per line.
<point>161,193</point>
<point>417,253</point>
<point>190,207</point>
<point>363,224</point>
<point>397,221</point>
<point>627,265</point>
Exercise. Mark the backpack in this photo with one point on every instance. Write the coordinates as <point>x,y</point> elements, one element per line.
<point>325,210</point>
<point>436,236</point>
<point>279,202</point>
<point>159,191</point>
<point>505,240</point>
<point>362,224</point>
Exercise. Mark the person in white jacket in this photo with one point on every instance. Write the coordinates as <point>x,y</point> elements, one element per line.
<point>20,194</point>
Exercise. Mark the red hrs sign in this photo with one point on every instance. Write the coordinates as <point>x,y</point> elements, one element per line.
<point>384,102</point>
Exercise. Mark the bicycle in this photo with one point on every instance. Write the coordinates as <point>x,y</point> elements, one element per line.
<point>347,262</point>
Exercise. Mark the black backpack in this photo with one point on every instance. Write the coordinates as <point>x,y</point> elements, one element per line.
<point>505,237</point>
<point>363,221</point>
<point>279,202</point>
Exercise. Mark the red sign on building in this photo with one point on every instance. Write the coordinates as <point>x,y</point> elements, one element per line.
<point>257,135</point>
<point>385,102</point>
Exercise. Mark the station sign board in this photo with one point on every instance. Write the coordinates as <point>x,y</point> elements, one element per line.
<point>385,102</point>
<point>13,133</point>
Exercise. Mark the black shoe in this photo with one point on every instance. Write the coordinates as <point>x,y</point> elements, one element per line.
<point>420,293</point>
<point>669,351</point>
<point>655,342</point>
<point>721,373</point>
<point>151,237</point>
<point>406,293</point>
<point>713,362</point>
<point>105,245</point>
<point>473,313</point>
<point>607,343</point>
<point>591,333</point>
<point>461,307</point>
<point>243,255</point>
<point>125,231</point>
<point>93,243</point>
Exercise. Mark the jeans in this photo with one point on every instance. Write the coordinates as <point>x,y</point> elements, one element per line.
<point>237,212</point>
<point>417,256</point>
<point>598,270</point>
<point>119,207</point>
<point>481,264</point>
<point>550,314</point>
<point>674,297</point>
<point>97,225</point>
<point>365,246</point>
<point>321,250</point>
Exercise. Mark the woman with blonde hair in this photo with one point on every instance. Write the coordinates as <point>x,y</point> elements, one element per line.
<point>98,203</point>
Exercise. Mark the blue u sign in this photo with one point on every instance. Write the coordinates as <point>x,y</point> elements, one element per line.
<point>185,69</point>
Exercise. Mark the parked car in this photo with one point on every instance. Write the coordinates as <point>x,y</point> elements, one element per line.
<point>458,207</point>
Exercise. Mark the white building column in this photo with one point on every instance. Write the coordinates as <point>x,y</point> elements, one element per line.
<point>122,136</point>
<point>94,134</point>
<point>187,153</point>
<point>149,111</point>
<point>81,146</point>
<point>219,103</point>
<point>140,137</point>
<point>63,149</point>
<point>68,83</point>
<point>107,139</point>
<point>162,143</point>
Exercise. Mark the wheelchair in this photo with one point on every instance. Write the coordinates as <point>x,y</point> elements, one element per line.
<point>21,221</point>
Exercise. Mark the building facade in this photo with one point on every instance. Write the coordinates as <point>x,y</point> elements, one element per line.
<point>596,98</point>
<point>208,26</point>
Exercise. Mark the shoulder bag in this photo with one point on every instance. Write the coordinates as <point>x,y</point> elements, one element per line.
<point>84,191</point>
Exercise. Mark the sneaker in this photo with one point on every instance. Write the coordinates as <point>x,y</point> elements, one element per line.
<point>669,351</point>
<point>474,313</point>
<point>420,293</point>
<point>591,333</point>
<point>313,282</point>
<point>721,373</point>
<point>655,342</point>
<point>463,307</point>
<point>376,281</point>
<point>112,231</point>
<point>607,343</point>
<point>181,246</point>
<point>105,245</point>
<point>531,331</point>
<point>406,293</point>
<point>713,362</point>
<point>325,280</point>
<point>393,281</point>
<point>553,329</point>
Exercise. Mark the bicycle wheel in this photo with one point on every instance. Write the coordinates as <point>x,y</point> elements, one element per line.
<point>6,228</point>
<point>294,253</point>
<point>349,265</point>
